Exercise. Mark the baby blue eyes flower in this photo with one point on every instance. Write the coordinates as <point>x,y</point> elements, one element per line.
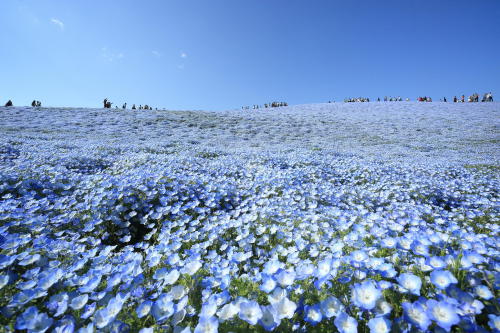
<point>228,311</point>
<point>379,325</point>
<point>88,310</point>
<point>442,279</point>
<point>102,318</point>
<point>494,322</point>
<point>483,292</point>
<point>331,307</point>
<point>365,295</point>
<point>313,314</point>
<point>268,284</point>
<point>269,318</point>
<point>416,314</point>
<point>208,309</point>
<point>90,285</point>
<point>284,278</point>
<point>207,325</point>
<point>435,262</point>
<point>58,304</point>
<point>191,267</point>
<point>323,269</point>
<point>285,308</point>
<point>271,267</point>
<point>33,321</point>
<point>143,309</point>
<point>250,312</point>
<point>346,323</point>
<point>50,278</point>
<point>410,283</point>
<point>162,308</point>
<point>65,325</point>
<point>443,313</point>
<point>79,302</point>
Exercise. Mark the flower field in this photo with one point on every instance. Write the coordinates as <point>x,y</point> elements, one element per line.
<point>370,217</point>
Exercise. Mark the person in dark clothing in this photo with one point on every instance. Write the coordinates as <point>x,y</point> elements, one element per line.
<point>124,106</point>
<point>444,99</point>
<point>105,102</point>
<point>33,104</point>
<point>133,107</point>
<point>9,103</point>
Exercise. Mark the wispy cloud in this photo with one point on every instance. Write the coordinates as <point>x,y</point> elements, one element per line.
<point>111,56</point>
<point>156,53</point>
<point>181,66</point>
<point>57,22</point>
<point>184,55</point>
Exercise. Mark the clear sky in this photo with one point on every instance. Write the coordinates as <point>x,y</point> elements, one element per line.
<point>214,54</point>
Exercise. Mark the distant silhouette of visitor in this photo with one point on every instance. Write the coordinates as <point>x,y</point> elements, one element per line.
<point>107,104</point>
<point>9,103</point>
<point>133,107</point>
<point>124,106</point>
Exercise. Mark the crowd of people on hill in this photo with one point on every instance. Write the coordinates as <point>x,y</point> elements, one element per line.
<point>265,106</point>
<point>487,97</point>
<point>474,98</point>
<point>393,99</point>
<point>356,99</point>
<point>107,105</point>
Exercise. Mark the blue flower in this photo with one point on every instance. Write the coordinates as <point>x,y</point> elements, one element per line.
<point>331,307</point>
<point>416,314</point>
<point>269,319</point>
<point>442,279</point>
<point>91,284</point>
<point>410,283</point>
<point>88,310</point>
<point>102,318</point>
<point>483,292</point>
<point>250,312</point>
<point>313,314</point>
<point>65,325</point>
<point>79,302</point>
<point>346,323</point>
<point>268,283</point>
<point>58,304</point>
<point>379,325</point>
<point>284,278</point>
<point>443,313</point>
<point>207,325</point>
<point>365,295</point>
<point>494,322</point>
<point>162,308</point>
<point>144,308</point>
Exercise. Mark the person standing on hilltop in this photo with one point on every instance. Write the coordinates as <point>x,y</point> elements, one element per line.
<point>9,103</point>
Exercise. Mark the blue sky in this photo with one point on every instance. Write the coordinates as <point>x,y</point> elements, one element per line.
<point>214,54</point>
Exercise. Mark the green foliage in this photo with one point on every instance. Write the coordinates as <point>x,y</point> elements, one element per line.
<point>246,288</point>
